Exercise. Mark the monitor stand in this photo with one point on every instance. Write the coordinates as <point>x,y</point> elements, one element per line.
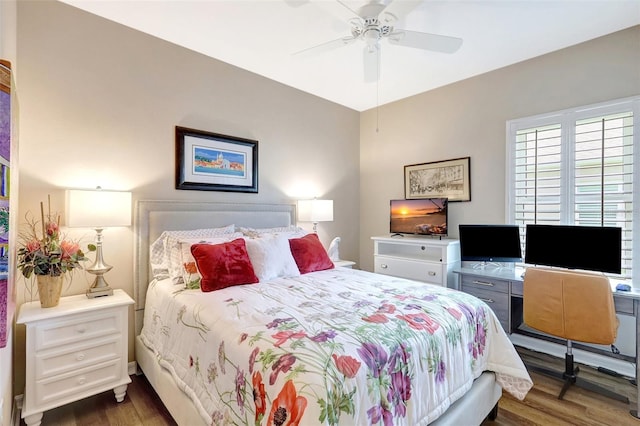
<point>484,266</point>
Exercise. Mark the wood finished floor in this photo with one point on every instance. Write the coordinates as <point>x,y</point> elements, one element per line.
<point>541,406</point>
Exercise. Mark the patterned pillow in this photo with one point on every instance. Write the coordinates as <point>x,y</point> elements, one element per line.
<point>164,255</point>
<point>223,265</point>
<point>309,254</point>
<point>290,231</point>
<point>191,276</point>
<point>271,257</point>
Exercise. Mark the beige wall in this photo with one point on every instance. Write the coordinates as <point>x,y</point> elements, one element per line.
<point>469,119</point>
<point>99,103</point>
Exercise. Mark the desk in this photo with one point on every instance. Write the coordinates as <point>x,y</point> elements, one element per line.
<point>502,290</point>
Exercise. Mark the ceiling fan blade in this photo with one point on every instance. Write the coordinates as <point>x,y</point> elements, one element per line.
<point>425,41</point>
<point>296,3</point>
<point>371,63</point>
<point>346,6</point>
<point>397,9</point>
<point>325,47</point>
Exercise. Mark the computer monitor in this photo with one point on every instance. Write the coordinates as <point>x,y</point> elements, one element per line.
<point>592,248</point>
<point>490,243</point>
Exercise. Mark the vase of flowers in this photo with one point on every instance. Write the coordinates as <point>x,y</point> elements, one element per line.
<point>43,252</point>
<point>49,290</point>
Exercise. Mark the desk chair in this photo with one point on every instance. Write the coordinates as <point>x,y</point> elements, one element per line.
<point>573,306</point>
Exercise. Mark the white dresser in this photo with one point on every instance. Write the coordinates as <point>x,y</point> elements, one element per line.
<point>74,350</point>
<point>426,259</point>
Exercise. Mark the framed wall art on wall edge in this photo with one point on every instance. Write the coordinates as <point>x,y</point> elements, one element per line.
<point>448,178</point>
<point>208,161</point>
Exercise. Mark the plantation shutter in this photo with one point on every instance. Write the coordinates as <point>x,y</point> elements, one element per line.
<point>538,173</point>
<point>576,167</point>
<point>603,174</point>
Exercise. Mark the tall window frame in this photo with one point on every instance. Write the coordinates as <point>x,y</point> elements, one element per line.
<point>578,166</point>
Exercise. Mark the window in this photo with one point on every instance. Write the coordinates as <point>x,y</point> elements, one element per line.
<point>576,167</point>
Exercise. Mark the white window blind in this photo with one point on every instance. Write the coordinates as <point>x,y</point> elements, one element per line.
<point>576,167</point>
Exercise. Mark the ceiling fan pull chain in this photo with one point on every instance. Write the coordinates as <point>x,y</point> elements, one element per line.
<point>378,99</point>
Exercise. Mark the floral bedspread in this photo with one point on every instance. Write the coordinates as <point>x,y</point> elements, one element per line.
<point>333,347</point>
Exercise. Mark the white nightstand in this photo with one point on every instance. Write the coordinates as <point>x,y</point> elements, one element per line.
<point>343,264</point>
<point>74,350</point>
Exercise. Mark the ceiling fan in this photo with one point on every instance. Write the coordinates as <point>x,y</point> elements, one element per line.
<point>374,22</point>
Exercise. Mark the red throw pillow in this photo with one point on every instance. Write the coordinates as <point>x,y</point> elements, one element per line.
<point>223,265</point>
<point>309,254</point>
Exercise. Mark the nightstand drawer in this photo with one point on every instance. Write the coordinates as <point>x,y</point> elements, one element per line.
<point>470,281</point>
<point>74,385</point>
<point>74,358</point>
<point>414,270</point>
<point>78,328</point>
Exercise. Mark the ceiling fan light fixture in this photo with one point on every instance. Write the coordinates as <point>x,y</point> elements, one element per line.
<point>371,36</point>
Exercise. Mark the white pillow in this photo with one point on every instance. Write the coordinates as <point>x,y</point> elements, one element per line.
<point>190,275</point>
<point>271,257</point>
<point>164,253</point>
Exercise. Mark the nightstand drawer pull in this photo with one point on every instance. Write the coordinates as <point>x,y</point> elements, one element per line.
<point>81,329</point>
<point>432,274</point>
<point>82,380</point>
<point>486,300</point>
<point>384,266</point>
<point>484,283</point>
<point>80,356</point>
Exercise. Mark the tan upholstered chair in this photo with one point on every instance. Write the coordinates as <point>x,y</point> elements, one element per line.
<point>574,306</point>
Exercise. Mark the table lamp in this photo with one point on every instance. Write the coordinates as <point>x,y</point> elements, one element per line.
<point>98,209</point>
<point>315,211</point>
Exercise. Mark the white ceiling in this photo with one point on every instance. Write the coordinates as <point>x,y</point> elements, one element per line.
<point>261,35</point>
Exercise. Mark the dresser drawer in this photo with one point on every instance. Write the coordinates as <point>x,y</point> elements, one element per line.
<point>429,272</point>
<point>73,358</point>
<point>72,386</point>
<point>470,282</point>
<point>497,301</point>
<point>76,328</point>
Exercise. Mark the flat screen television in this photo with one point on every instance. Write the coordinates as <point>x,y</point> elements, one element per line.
<point>592,248</point>
<point>490,243</point>
<point>425,216</point>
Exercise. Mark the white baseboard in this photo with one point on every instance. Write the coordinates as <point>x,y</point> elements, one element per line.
<point>132,368</point>
<point>622,367</point>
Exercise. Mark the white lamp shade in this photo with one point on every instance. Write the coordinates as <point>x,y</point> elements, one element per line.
<point>97,209</point>
<point>315,210</point>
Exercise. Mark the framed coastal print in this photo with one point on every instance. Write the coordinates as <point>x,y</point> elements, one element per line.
<point>449,178</point>
<point>213,162</point>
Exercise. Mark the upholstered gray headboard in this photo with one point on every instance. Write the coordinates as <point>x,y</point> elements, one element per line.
<point>153,217</point>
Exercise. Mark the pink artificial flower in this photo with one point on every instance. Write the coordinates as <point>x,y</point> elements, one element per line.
<point>69,249</point>
<point>52,228</point>
<point>33,245</point>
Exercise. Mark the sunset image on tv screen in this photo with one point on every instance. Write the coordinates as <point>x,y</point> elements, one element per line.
<point>424,216</point>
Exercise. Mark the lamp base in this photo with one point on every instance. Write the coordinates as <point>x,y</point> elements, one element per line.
<point>99,292</point>
<point>99,287</point>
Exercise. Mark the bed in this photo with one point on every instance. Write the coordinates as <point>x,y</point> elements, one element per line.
<point>336,346</point>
